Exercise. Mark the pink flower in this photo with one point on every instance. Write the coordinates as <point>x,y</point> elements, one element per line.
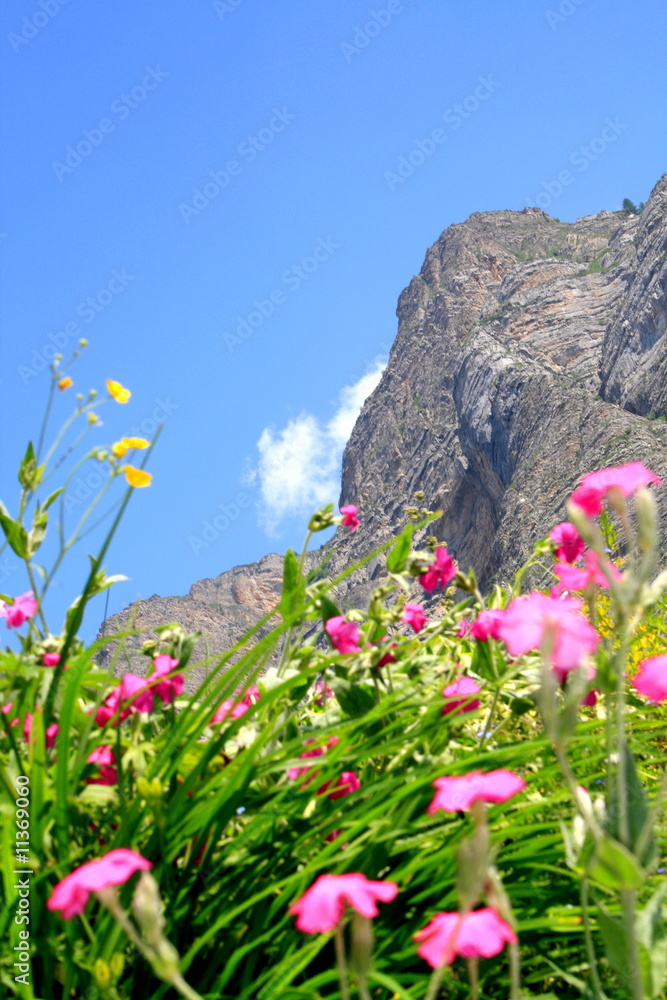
<point>459,694</point>
<point>344,635</point>
<point>589,495</point>
<point>651,681</point>
<point>344,785</point>
<point>486,624</point>
<point>388,657</point>
<point>71,895</point>
<point>322,906</point>
<point>531,619</point>
<point>413,615</point>
<point>569,544</point>
<point>237,708</point>
<point>105,757</point>
<point>296,772</point>
<point>591,698</point>
<point>6,709</point>
<point>572,578</point>
<point>324,692</point>
<point>458,794</point>
<point>350,519</point>
<point>51,732</point>
<point>441,572</point>
<point>171,687</point>
<point>479,934</point>
<point>51,659</point>
<point>17,613</point>
<point>131,695</point>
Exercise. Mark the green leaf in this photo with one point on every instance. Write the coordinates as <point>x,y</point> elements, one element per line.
<point>329,609</point>
<point>650,930</point>
<point>29,473</point>
<point>38,531</point>
<point>355,699</point>
<point>398,557</point>
<point>637,810</point>
<point>15,533</point>
<point>293,599</point>
<point>53,497</point>
<point>615,866</point>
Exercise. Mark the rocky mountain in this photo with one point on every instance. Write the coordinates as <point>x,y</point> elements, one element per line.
<point>529,351</point>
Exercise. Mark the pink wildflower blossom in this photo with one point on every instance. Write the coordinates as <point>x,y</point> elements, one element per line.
<point>573,578</point>
<point>17,613</point>
<point>344,635</point>
<point>171,687</point>
<point>441,572</point>
<point>413,615</point>
<point>51,659</point>
<point>457,794</point>
<point>324,692</point>
<point>651,681</point>
<point>347,783</point>
<point>6,709</point>
<point>569,543</point>
<point>486,625</point>
<point>531,619</point>
<point>131,695</point>
<point>591,492</point>
<point>350,519</point>
<point>322,906</point>
<point>105,757</point>
<point>296,772</point>
<point>50,734</point>
<point>72,894</point>
<point>480,934</point>
<point>458,695</point>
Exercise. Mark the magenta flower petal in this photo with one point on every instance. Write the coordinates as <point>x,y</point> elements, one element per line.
<point>321,907</point>
<point>529,619</point>
<point>590,494</point>
<point>457,794</point>
<point>71,895</point>
<point>480,934</point>
<point>441,571</point>
<point>487,624</point>
<point>171,687</point>
<point>413,615</point>
<point>344,635</point>
<point>569,544</point>
<point>17,613</point>
<point>459,693</point>
<point>350,519</point>
<point>651,681</point>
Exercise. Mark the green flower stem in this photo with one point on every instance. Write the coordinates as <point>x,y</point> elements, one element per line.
<point>434,983</point>
<point>628,901</point>
<point>515,972</point>
<point>588,937</point>
<point>473,974</point>
<point>341,963</point>
<point>489,718</point>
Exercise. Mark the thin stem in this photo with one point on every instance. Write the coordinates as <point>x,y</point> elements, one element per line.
<point>515,972</point>
<point>489,718</point>
<point>33,584</point>
<point>628,900</point>
<point>434,983</point>
<point>473,973</point>
<point>341,963</point>
<point>47,413</point>
<point>588,937</point>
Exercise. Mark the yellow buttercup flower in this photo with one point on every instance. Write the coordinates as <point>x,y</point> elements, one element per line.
<point>120,448</point>
<point>117,391</point>
<point>65,383</point>
<point>137,477</point>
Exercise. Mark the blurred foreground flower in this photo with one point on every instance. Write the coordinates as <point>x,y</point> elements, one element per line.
<point>71,895</point>
<point>457,794</point>
<point>537,622</point>
<point>441,572</point>
<point>594,486</point>
<point>17,613</point>
<point>65,383</point>
<point>137,477</point>
<point>321,908</point>
<point>651,681</point>
<point>117,391</point>
<point>350,519</point>
<point>480,934</point>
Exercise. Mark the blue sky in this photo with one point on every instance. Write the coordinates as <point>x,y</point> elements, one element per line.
<point>226,199</point>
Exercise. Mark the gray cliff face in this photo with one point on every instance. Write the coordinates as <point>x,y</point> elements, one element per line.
<point>528,352</point>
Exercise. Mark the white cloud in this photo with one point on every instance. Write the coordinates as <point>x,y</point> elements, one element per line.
<point>299,466</point>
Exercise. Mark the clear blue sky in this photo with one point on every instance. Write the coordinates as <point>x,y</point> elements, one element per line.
<point>302,110</point>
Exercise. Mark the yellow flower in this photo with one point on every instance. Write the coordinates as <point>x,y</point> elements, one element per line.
<point>65,383</point>
<point>120,448</point>
<point>93,419</point>
<point>137,477</point>
<point>117,391</point>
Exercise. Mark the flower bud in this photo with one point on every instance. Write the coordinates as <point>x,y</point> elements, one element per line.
<point>148,909</point>
<point>117,964</point>
<point>647,519</point>
<point>83,342</point>
<point>323,518</point>
<point>102,973</point>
